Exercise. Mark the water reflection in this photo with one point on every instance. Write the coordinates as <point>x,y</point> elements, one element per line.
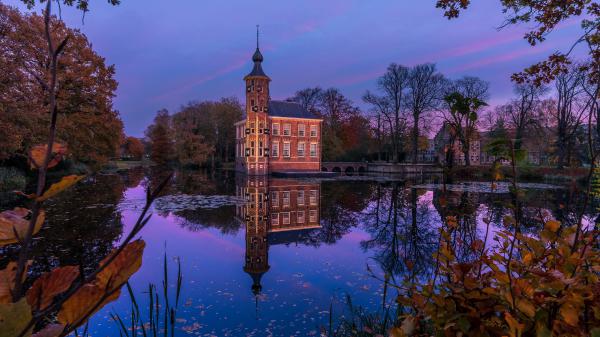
<point>275,211</point>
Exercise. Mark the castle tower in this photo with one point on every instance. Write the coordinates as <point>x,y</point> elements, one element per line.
<point>257,126</point>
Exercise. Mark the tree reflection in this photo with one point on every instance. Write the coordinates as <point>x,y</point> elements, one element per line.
<point>403,231</point>
<point>81,226</point>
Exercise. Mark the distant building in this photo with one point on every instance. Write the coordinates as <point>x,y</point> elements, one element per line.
<point>275,136</point>
<point>446,140</point>
<point>537,147</point>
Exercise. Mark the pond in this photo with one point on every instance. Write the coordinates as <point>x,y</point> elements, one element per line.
<point>276,257</point>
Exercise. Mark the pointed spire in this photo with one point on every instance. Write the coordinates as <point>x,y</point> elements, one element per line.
<point>257,58</point>
<point>257,36</point>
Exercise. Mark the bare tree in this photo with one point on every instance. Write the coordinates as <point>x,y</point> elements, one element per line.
<point>309,98</point>
<point>426,87</point>
<point>524,112</point>
<point>569,112</point>
<point>392,86</point>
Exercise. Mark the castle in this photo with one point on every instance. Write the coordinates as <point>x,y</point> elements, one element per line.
<point>275,136</point>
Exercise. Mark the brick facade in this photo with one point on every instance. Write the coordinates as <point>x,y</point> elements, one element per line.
<point>280,137</point>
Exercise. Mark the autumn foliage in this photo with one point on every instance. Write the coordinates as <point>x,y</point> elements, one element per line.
<point>86,121</point>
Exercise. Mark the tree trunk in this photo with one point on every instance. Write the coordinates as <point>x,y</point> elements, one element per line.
<point>466,151</point>
<point>415,140</point>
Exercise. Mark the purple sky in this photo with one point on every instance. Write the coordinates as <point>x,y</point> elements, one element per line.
<point>170,52</point>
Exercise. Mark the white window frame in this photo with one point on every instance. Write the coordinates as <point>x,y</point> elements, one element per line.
<point>275,199</point>
<point>275,149</point>
<point>313,131</point>
<point>274,219</point>
<point>300,217</point>
<point>275,129</point>
<point>287,129</point>
<point>312,197</point>
<point>289,150</point>
<point>312,215</point>
<point>285,217</point>
<point>300,198</point>
<point>301,148</point>
<point>301,130</point>
<point>316,150</point>
<point>285,197</point>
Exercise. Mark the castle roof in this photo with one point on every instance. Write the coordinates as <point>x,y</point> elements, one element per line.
<point>289,109</point>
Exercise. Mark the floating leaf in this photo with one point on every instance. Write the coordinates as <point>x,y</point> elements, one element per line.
<point>60,186</point>
<point>123,266</point>
<point>16,221</point>
<point>14,317</point>
<point>37,155</point>
<point>52,330</point>
<point>85,302</point>
<point>47,286</point>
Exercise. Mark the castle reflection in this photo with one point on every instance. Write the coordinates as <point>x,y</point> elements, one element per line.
<point>275,211</point>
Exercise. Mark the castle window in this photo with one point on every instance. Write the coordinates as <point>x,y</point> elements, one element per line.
<point>313,149</point>
<point>301,130</point>
<point>260,148</point>
<point>286,198</point>
<point>313,197</point>
<point>275,219</point>
<point>275,199</point>
<point>252,148</point>
<point>301,149</point>
<point>252,127</point>
<point>286,149</point>
<point>300,217</point>
<point>312,216</point>
<point>300,199</point>
<point>286,218</point>
<point>275,149</point>
<point>275,129</point>
<point>251,102</point>
<point>313,130</point>
<point>287,129</point>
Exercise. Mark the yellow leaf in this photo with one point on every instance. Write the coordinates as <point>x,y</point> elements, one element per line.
<point>570,314</point>
<point>552,225</point>
<point>60,186</point>
<point>84,303</point>
<point>516,328</point>
<point>526,307</point>
<point>14,317</point>
<point>123,266</point>
<point>47,286</point>
<point>37,155</point>
<point>16,221</point>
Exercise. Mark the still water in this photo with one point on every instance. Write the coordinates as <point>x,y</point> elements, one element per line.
<point>274,257</point>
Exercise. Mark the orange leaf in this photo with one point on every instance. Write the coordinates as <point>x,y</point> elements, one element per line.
<point>47,286</point>
<point>16,221</point>
<point>7,281</point>
<point>570,314</point>
<point>37,155</point>
<point>123,266</point>
<point>85,302</point>
<point>516,328</point>
<point>60,186</point>
<point>552,225</point>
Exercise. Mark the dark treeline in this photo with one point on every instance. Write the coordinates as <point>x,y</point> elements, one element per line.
<point>199,134</point>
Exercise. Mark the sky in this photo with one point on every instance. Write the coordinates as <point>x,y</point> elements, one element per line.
<point>168,53</point>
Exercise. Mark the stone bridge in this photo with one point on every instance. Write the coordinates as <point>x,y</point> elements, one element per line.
<point>344,167</point>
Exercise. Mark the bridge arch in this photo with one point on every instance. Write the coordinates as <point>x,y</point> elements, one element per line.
<point>349,170</point>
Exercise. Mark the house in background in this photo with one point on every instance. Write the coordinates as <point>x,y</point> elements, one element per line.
<point>275,136</point>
